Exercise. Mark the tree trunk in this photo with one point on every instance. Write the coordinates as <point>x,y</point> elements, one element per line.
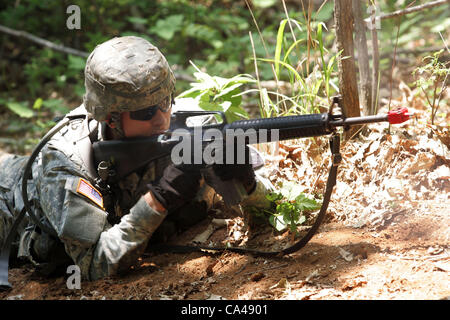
<point>347,72</point>
<point>365,78</point>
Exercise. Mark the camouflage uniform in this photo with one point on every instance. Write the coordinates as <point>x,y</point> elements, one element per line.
<point>103,234</point>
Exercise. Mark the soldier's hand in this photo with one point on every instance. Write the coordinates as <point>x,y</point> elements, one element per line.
<point>177,186</point>
<point>243,173</point>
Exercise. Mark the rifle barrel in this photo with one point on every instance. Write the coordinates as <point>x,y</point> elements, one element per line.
<point>359,120</point>
<point>289,127</point>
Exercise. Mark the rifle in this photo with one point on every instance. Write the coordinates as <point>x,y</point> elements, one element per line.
<point>115,159</point>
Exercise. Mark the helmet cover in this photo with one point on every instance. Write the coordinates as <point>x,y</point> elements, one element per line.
<point>125,74</point>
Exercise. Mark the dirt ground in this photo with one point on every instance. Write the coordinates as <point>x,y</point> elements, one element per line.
<point>386,235</point>
<point>408,259</point>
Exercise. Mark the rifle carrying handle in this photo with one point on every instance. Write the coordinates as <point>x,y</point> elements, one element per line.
<point>179,118</point>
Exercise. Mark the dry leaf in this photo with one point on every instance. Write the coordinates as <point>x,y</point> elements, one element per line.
<point>352,284</point>
<point>444,266</point>
<point>443,134</point>
<point>346,255</point>
<point>283,283</point>
<point>422,161</point>
<point>312,275</point>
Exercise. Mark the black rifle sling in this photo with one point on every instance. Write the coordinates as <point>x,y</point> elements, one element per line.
<point>331,182</point>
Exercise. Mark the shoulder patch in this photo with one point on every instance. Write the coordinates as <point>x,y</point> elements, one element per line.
<point>87,190</point>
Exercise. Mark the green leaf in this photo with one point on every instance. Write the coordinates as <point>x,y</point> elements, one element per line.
<point>319,37</point>
<point>290,212</point>
<point>278,222</point>
<point>273,196</point>
<point>20,108</point>
<point>288,51</point>
<point>37,104</point>
<point>209,106</point>
<point>290,190</point>
<point>264,3</point>
<point>234,113</point>
<point>228,90</point>
<point>167,27</point>
<point>306,204</point>
<point>204,33</point>
<point>287,66</point>
<point>280,36</point>
<point>301,220</point>
<point>76,63</point>
<point>190,93</point>
<point>325,13</point>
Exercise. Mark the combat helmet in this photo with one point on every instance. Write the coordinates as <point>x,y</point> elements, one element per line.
<point>125,74</point>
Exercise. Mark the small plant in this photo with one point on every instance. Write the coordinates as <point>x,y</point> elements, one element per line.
<point>214,93</point>
<point>291,207</point>
<point>432,80</point>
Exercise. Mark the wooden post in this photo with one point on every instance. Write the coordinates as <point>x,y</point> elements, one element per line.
<point>365,79</point>
<point>347,71</point>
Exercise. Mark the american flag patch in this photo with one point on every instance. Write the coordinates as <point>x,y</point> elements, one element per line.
<point>90,192</point>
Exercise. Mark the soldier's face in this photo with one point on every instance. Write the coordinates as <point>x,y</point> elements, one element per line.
<point>159,123</point>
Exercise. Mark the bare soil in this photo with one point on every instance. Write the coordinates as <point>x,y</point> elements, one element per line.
<point>407,259</point>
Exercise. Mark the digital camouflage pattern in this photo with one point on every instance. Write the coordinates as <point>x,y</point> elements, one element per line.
<point>126,74</point>
<point>86,237</point>
<point>89,240</point>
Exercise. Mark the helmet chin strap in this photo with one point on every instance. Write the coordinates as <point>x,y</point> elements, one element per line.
<point>116,125</point>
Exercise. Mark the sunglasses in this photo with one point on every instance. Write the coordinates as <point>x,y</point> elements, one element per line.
<point>149,112</point>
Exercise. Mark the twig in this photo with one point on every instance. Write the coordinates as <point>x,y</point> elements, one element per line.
<point>407,11</point>
<point>257,28</point>
<point>256,70</point>
<point>254,54</point>
<point>289,21</point>
<point>412,51</point>
<point>445,43</point>
<point>444,84</point>
<point>64,49</point>
<point>392,69</point>
<point>43,42</point>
